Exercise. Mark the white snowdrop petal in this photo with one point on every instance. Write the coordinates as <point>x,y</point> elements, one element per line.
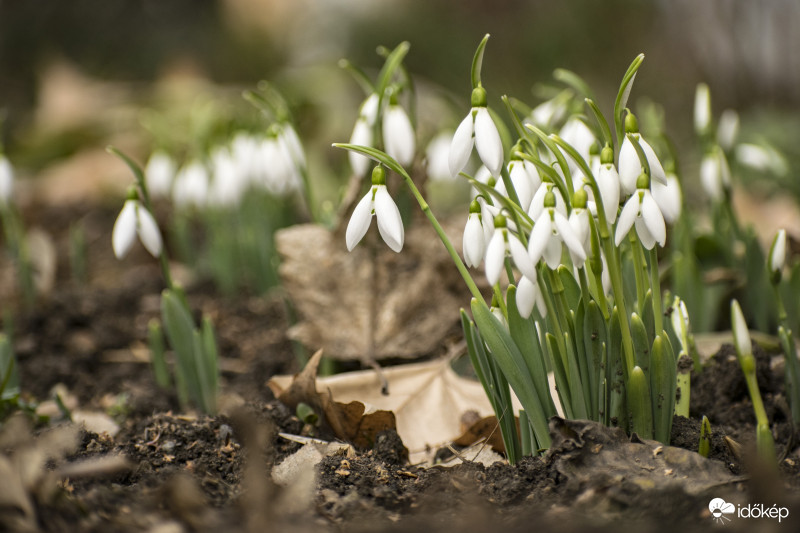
<point>521,258</point>
<point>362,135</point>
<point>390,224</point>
<point>6,179</point>
<point>461,146</point>
<point>495,256</point>
<point>359,221</point>
<point>629,167</point>
<point>668,197</point>
<point>540,236</point>
<point>608,182</point>
<point>522,183</point>
<point>124,232</point>
<point>702,108</point>
<point>777,254</point>
<point>474,244</point>
<point>741,335</point>
<point>727,129</point>
<point>159,173</point>
<point>148,231</point>
<point>289,135</point>
<point>487,141</point>
<point>369,109</point>
<point>526,297</point>
<point>626,218</point>
<point>653,218</point>
<point>647,239</point>
<point>552,253</point>
<point>656,170</point>
<point>574,244</point>
<point>398,135</point>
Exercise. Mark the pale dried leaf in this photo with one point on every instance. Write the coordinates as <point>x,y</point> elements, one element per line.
<point>427,399</point>
<point>415,294</point>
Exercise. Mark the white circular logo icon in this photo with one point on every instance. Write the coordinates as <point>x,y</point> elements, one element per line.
<point>719,508</point>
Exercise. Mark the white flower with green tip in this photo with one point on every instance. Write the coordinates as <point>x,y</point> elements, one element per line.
<point>398,134</point>
<point>642,211</point>
<point>630,166</point>
<point>550,230</point>
<point>362,134</point>
<point>478,130</point>
<point>134,219</point>
<point>502,244</point>
<point>376,202</point>
<point>529,294</point>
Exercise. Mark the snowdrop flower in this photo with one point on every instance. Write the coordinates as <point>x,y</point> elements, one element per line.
<point>577,134</point>
<point>134,219</point>
<point>537,203</point>
<point>376,202</point>
<point>550,111</point>
<point>505,243</point>
<point>398,133</point>
<point>6,180</point>
<point>741,335</point>
<point>579,221</point>
<point>436,155</point>
<point>158,173</point>
<point>727,129</point>
<point>228,184</point>
<point>608,182</point>
<point>479,130</point>
<point>715,175</point>
<point>362,134</point>
<point>642,210</point>
<point>289,137</point>
<point>277,171</point>
<point>630,167</point>
<point>680,322</point>
<point>475,237</point>
<point>762,158</point>
<point>191,185</point>
<point>668,197</point>
<point>549,231</point>
<point>524,177</point>
<point>777,255</point>
<point>529,294</point>
<point>702,109</point>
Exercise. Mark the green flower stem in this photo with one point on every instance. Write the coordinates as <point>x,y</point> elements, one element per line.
<point>655,285</point>
<point>140,181</point>
<point>639,270</point>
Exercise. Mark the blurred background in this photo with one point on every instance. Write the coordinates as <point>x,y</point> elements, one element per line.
<point>146,74</point>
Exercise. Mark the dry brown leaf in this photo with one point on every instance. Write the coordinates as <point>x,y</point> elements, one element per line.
<point>411,300</point>
<point>427,399</point>
<point>486,429</point>
<point>349,421</point>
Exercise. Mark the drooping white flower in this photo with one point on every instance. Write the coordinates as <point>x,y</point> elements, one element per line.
<point>777,252</point>
<point>159,173</point>
<point>6,180</point>
<point>398,134</point>
<point>702,109</point>
<point>668,197</point>
<point>191,185</point>
<point>741,334</point>
<point>293,143</point>
<point>525,179</point>
<point>550,230</point>
<point>478,130</point>
<point>715,174</point>
<point>609,184</point>
<point>579,221</point>
<point>642,210</point>
<point>475,236</point>
<point>630,166</point>
<point>362,134</point>
<point>529,294</point>
<point>134,219</point>
<point>550,112</point>
<point>537,202</point>
<point>228,184</point>
<point>376,202</point>
<point>762,158</point>
<point>436,154</point>
<point>502,244</point>
<point>577,134</point>
<point>680,322</point>
<point>727,129</point>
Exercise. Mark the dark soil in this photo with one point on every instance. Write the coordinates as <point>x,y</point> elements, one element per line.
<point>183,472</point>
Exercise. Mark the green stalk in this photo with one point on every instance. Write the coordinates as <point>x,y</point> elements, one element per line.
<point>639,404</point>
<point>655,285</point>
<point>683,385</point>
<point>639,270</point>
<point>704,446</point>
